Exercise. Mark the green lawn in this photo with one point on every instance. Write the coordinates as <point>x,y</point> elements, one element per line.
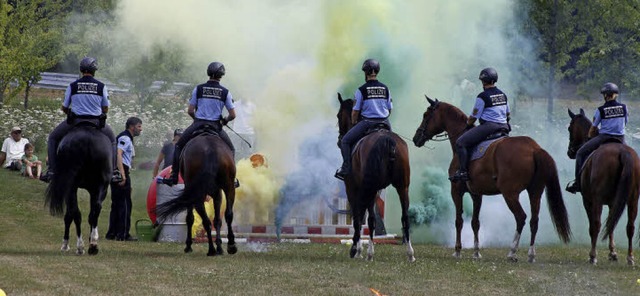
<point>31,263</point>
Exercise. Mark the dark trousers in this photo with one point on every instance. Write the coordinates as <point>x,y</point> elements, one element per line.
<point>120,216</point>
<point>590,146</point>
<point>188,135</point>
<point>61,130</point>
<point>472,138</point>
<point>354,135</point>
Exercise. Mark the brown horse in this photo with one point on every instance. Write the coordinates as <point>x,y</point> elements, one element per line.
<point>508,167</point>
<point>207,168</point>
<point>609,177</point>
<point>380,159</point>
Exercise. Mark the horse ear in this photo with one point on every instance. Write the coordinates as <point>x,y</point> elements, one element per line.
<point>431,102</point>
<point>340,98</point>
<point>571,114</point>
<point>582,112</point>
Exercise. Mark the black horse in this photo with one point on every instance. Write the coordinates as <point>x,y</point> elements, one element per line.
<point>207,168</point>
<point>380,159</point>
<point>84,160</point>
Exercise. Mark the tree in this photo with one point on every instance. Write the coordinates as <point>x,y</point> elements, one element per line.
<point>29,42</point>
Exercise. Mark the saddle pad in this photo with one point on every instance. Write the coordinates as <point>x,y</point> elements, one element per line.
<point>353,150</point>
<point>479,150</point>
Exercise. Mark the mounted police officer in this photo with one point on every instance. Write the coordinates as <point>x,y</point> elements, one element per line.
<point>85,100</point>
<point>612,117</point>
<point>492,110</point>
<point>205,107</point>
<point>373,106</point>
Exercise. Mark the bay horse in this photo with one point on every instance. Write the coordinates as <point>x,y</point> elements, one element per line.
<point>508,167</point>
<point>207,168</point>
<point>610,176</point>
<point>380,159</point>
<point>84,158</point>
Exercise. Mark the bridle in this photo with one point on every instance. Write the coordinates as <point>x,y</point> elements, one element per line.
<point>422,130</point>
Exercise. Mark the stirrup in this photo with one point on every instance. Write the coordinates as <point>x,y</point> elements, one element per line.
<point>172,180</point>
<point>46,177</point>
<point>573,187</point>
<point>236,183</point>
<point>341,174</point>
<point>116,177</point>
<point>460,176</point>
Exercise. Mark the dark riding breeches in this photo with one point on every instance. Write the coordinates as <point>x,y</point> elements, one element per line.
<point>588,147</point>
<point>188,135</point>
<point>354,135</point>
<point>473,137</point>
<point>61,130</point>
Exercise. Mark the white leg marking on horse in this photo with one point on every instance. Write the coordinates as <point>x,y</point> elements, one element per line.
<point>476,250</point>
<point>514,247</point>
<point>370,251</point>
<point>65,245</point>
<point>631,261</point>
<point>80,246</point>
<point>359,249</point>
<point>410,252</point>
<point>532,254</point>
<point>94,236</point>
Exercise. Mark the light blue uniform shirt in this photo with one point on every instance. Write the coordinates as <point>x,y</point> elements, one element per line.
<point>374,108</point>
<point>86,104</point>
<point>612,126</point>
<point>210,109</point>
<point>496,114</point>
<point>125,144</point>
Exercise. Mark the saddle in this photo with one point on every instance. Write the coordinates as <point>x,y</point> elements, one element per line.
<point>479,150</point>
<point>378,127</point>
<point>205,130</point>
<point>98,122</point>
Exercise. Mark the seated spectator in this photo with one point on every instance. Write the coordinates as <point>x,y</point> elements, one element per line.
<point>13,150</point>
<point>30,163</point>
<point>166,153</point>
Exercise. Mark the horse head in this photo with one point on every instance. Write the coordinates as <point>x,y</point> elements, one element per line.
<point>578,132</point>
<point>429,127</point>
<point>344,117</point>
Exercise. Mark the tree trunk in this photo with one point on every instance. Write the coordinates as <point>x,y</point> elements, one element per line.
<point>26,95</point>
<point>552,62</point>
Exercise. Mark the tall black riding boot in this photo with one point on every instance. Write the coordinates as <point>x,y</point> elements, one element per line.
<point>462,174</point>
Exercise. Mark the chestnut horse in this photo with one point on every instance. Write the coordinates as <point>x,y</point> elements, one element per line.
<point>380,159</point>
<point>508,167</point>
<point>207,167</point>
<point>608,177</point>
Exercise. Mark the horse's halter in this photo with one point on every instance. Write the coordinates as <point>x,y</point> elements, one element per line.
<point>422,130</point>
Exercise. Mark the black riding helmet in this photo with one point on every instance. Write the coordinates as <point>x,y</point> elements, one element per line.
<point>609,88</point>
<point>88,65</point>
<point>215,69</point>
<point>488,75</point>
<point>371,66</point>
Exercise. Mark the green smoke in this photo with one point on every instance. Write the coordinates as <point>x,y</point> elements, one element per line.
<point>434,203</point>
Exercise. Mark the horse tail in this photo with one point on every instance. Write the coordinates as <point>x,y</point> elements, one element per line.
<point>623,191</point>
<point>59,188</point>
<point>547,171</point>
<point>194,191</point>
<point>382,153</point>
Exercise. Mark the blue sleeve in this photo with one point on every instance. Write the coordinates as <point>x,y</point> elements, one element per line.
<point>358,97</point>
<point>228,102</point>
<point>67,97</point>
<point>390,101</point>
<point>194,100</point>
<point>105,97</point>
<point>479,105</point>
<point>123,143</point>
<point>596,119</point>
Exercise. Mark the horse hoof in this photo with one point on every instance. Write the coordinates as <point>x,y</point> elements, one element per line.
<point>631,261</point>
<point>477,256</point>
<point>513,258</point>
<point>412,259</point>
<point>188,250</point>
<point>593,261</point>
<point>532,259</point>
<point>64,248</point>
<point>93,250</point>
<point>211,253</point>
<point>613,257</point>
<point>457,255</point>
<point>369,257</point>
<point>232,249</point>
<point>353,252</point>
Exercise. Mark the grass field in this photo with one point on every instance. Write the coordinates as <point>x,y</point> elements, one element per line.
<point>31,263</point>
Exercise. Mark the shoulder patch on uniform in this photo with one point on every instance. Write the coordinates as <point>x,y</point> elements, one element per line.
<point>122,142</point>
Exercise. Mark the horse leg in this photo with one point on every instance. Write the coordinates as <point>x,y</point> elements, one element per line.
<point>403,194</point>
<point>534,200</point>
<point>206,224</point>
<point>613,255</point>
<point>77,220</point>
<point>356,247</point>
<point>68,218</point>
<point>189,240</point>
<point>632,211</point>
<point>456,195</point>
<point>475,224</point>
<point>593,212</point>
<point>217,221</point>
<point>96,207</point>
<point>230,195</point>
<point>514,205</point>
<point>371,221</point>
